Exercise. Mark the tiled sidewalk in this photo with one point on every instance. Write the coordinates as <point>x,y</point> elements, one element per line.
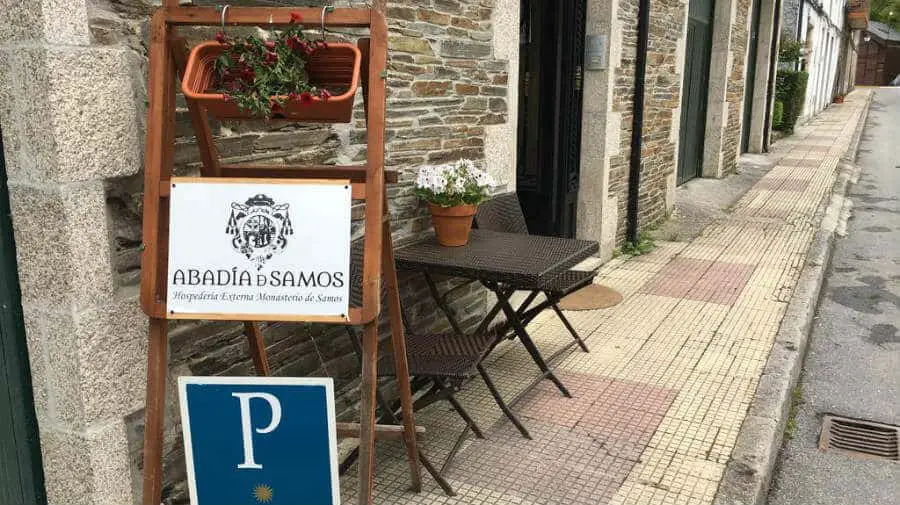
<point>659,400</point>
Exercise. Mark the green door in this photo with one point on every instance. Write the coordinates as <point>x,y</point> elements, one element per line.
<point>694,93</point>
<point>21,476</point>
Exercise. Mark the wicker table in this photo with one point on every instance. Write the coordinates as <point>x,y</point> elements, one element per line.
<point>500,260</point>
<point>498,257</point>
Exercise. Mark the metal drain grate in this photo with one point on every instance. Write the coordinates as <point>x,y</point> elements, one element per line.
<point>863,439</point>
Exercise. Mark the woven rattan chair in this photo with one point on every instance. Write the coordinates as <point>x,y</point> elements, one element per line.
<point>503,213</point>
<point>439,364</point>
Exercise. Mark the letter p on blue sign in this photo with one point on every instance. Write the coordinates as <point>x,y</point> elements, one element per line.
<point>259,440</point>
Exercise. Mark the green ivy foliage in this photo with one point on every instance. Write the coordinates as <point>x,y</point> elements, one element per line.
<point>777,114</point>
<point>790,51</point>
<point>790,90</point>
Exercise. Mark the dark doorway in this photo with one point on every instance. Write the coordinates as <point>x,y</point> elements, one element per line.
<point>550,77</point>
<point>749,82</point>
<point>694,94</point>
<point>21,475</point>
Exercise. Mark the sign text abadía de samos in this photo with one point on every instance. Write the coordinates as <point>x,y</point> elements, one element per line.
<point>263,256</point>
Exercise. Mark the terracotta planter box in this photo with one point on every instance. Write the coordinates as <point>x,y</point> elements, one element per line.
<point>452,225</point>
<point>333,68</point>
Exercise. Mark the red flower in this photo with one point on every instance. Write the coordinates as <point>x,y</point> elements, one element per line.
<point>306,98</point>
<point>271,59</point>
<point>221,38</point>
<point>296,17</point>
<point>325,94</point>
<point>295,43</point>
<point>270,45</point>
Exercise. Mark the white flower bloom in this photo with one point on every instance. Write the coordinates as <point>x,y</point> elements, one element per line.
<point>461,180</point>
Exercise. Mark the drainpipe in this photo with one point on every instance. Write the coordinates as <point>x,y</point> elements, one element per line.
<point>637,125</point>
<point>797,64</point>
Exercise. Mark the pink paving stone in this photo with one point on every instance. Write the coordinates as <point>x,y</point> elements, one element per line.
<point>545,403</point>
<point>701,280</point>
<point>722,283</point>
<point>677,278</point>
<point>626,416</point>
<point>561,465</point>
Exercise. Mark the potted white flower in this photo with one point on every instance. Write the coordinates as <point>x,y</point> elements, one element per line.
<point>453,192</point>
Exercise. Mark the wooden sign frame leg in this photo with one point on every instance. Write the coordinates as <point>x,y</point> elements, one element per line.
<point>378,241</point>
<point>156,170</point>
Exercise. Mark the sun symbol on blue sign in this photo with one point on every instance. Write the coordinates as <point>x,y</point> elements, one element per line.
<point>263,493</point>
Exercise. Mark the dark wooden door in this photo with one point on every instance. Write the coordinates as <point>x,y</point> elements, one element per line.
<point>550,96</point>
<point>695,91</point>
<point>21,476</point>
<point>752,52</point>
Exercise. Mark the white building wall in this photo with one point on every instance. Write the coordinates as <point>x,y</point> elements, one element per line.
<point>821,33</point>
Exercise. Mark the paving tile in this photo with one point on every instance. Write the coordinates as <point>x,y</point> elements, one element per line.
<point>559,466</point>
<point>677,278</point>
<point>547,405</point>
<point>721,284</point>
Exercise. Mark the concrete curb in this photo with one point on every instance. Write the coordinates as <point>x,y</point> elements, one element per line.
<point>751,467</point>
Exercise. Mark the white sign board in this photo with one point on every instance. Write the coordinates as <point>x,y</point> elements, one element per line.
<point>251,249</point>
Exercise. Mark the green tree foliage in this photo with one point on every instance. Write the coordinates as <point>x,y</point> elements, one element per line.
<point>790,51</point>
<point>790,90</point>
<point>777,114</point>
<point>886,11</point>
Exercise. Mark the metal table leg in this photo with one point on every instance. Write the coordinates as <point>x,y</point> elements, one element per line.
<point>513,318</point>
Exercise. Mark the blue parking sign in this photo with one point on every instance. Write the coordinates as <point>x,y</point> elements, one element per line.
<point>260,440</point>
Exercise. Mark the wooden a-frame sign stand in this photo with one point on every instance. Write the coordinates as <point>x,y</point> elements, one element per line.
<point>168,56</point>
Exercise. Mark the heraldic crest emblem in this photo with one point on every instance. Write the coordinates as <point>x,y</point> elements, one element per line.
<point>259,228</point>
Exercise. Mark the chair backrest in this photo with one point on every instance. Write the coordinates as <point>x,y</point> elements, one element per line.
<point>502,213</point>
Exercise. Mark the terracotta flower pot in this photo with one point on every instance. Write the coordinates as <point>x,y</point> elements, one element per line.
<point>452,224</point>
<point>335,67</point>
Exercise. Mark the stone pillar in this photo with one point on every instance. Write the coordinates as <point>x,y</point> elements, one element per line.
<point>70,122</point>
<point>500,140</point>
<point>601,133</point>
<point>768,36</point>
<point>720,67</point>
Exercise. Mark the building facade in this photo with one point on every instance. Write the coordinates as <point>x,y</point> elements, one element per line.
<point>830,48</point>
<point>541,93</point>
<point>879,55</point>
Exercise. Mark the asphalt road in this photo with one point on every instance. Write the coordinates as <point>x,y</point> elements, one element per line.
<point>853,365</point>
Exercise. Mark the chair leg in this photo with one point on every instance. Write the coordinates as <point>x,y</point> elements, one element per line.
<point>470,425</point>
<point>441,481</point>
<point>476,430</point>
<point>569,327</point>
<point>501,403</point>
<point>389,415</point>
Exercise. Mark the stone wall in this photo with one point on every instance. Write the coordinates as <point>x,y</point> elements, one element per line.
<point>790,19</point>
<point>76,191</point>
<point>662,101</point>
